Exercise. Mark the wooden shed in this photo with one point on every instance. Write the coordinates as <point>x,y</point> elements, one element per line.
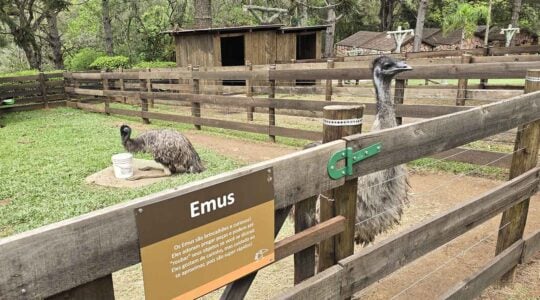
<point>233,46</point>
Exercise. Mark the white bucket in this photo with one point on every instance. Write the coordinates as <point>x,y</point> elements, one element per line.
<point>123,165</point>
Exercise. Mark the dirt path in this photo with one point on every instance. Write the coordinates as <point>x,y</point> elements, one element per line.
<point>434,193</point>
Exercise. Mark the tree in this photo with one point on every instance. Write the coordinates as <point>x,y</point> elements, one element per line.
<point>107,27</point>
<point>51,10</point>
<point>420,19</point>
<point>386,14</point>
<point>464,17</point>
<point>516,8</point>
<point>23,19</point>
<point>203,13</point>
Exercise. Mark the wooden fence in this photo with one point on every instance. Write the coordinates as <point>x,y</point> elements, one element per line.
<point>78,255</point>
<point>30,92</point>
<point>183,87</point>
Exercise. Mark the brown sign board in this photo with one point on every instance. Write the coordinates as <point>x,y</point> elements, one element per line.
<point>198,242</point>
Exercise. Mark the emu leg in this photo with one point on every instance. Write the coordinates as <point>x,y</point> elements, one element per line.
<point>166,172</point>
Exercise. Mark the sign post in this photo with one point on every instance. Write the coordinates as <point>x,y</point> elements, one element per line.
<point>198,242</point>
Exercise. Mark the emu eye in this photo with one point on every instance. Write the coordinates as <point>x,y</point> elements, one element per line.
<point>387,65</point>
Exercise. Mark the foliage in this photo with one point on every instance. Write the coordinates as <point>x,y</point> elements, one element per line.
<point>110,62</point>
<point>464,16</point>
<point>83,59</point>
<point>154,64</point>
<point>49,153</point>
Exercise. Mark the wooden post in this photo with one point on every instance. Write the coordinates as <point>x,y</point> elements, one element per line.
<point>195,106</point>
<point>271,110</point>
<point>144,100</point>
<point>462,83</point>
<point>525,158</point>
<point>328,91</point>
<point>122,85</point>
<point>105,84</point>
<point>484,81</point>
<point>399,95</point>
<point>43,89</point>
<point>304,218</point>
<point>341,200</point>
<point>101,288</point>
<point>249,92</point>
<point>149,89</point>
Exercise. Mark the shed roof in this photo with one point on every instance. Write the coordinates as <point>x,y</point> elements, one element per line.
<point>276,27</point>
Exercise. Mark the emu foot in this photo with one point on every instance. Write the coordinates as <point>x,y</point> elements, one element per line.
<point>149,168</point>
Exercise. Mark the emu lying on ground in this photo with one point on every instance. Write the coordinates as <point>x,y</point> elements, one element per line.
<point>168,147</point>
<point>381,195</point>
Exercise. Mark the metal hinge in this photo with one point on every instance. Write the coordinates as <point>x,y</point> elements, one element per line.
<point>350,159</point>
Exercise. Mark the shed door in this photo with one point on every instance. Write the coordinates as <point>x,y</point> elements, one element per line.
<point>232,51</point>
<point>306,48</point>
<point>232,54</point>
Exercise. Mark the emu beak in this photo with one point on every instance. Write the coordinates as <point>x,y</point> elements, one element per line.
<point>401,66</point>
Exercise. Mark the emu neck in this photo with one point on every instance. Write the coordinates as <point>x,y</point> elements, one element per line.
<point>386,114</point>
<point>132,145</point>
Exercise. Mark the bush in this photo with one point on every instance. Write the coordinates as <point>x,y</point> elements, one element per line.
<point>110,62</point>
<point>83,59</point>
<point>154,64</point>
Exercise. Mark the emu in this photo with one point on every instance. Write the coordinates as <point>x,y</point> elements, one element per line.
<point>168,147</point>
<point>382,194</point>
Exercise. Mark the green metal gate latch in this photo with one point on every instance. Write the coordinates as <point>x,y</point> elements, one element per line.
<point>350,159</point>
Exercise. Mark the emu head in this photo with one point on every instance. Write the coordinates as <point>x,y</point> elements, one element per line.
<point>125,132</point>
<point>385,68</point>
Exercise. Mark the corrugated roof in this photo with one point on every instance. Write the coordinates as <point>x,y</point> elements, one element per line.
<point>244,29</point>
<point>379,40</point>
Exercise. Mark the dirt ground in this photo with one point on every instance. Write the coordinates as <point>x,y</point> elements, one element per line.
<point>427,278</point>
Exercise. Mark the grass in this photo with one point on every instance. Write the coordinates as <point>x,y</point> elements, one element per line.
<point>458,168</point>
<point>47,154</point>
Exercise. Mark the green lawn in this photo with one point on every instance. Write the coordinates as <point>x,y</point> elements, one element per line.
<point>45,156</point>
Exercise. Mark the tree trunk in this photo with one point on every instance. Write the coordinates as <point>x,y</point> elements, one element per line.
<point>54,41</point>
<point>303,15</point>
<point>516,9</point>
<point>32,55</point>
<point>107,28</point>
<point>386,14</point>
<point>419,31</point>
<point>203,13</point>
<point>330,31</point>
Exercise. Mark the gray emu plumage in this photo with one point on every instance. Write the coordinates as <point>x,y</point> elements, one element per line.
<point>383,194</point>
<point>168,147</point>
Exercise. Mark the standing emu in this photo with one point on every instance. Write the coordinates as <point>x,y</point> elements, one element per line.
<point>382,194</point>
<point>168,147</point>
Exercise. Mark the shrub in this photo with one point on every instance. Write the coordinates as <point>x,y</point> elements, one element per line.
<point>83,59</point>
<point>110,62</point>
<point>154,64</point>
